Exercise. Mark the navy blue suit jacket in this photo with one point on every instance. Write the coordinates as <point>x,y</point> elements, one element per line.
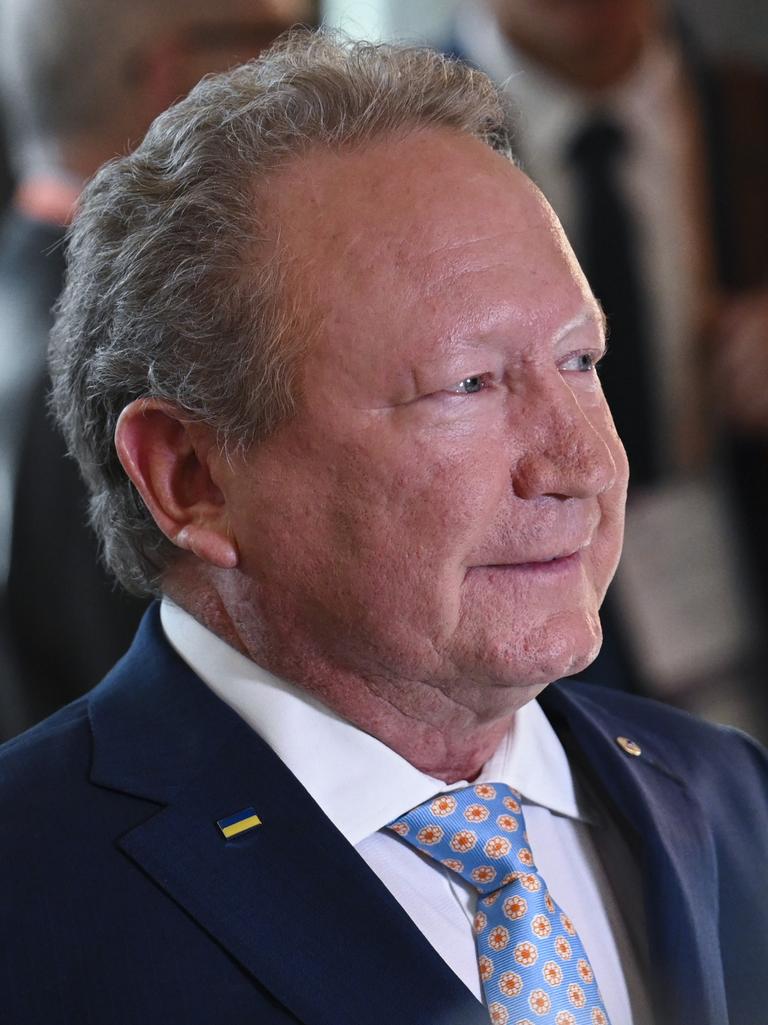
<point>122,904</point>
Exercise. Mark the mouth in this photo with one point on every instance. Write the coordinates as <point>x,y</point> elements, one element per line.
<point>547,565</point>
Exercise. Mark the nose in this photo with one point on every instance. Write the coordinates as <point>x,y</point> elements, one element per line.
<point>568,455</point>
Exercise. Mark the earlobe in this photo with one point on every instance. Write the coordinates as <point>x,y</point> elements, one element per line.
<point>208,546</point>
<point>169,461</point>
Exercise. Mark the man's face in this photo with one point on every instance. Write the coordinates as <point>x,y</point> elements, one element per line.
<point>447,505</point>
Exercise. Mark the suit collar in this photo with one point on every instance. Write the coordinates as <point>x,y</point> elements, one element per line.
<point>154,722</point>
<point>667,826</point>
<point>291,890</point>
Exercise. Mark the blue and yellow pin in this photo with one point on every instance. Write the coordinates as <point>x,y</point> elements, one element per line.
<point>238,823</point>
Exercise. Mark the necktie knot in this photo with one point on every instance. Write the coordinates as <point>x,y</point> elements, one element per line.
<point>478,832</point>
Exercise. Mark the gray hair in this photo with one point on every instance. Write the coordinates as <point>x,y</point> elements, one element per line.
<point>176,284</point>
<point>69,69</point>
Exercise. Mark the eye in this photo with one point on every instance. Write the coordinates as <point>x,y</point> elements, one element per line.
<point>581,362</point>
<point>469,385</point>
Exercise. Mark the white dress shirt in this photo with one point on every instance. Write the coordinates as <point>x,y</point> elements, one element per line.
<point>361,785</point>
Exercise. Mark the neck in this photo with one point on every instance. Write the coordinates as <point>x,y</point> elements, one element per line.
<point>435,730</point>
<point>446,729</point>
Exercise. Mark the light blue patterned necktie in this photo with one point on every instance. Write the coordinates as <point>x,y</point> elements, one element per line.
<point>533,966</point>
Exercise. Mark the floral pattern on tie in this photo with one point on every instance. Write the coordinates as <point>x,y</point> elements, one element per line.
<point>533,967</point>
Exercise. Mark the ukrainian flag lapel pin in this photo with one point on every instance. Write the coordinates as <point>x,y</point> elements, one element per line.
<point>238,823</point>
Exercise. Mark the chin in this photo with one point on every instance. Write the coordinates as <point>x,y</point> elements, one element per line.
<point>565,644</point>
<point>586,639</point>
<point>581,660</point>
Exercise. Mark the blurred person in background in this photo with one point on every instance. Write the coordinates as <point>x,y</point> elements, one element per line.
<point>657,164</point>
<point>81,80</point>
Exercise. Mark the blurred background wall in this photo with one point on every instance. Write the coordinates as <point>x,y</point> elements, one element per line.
<point>737,28</point>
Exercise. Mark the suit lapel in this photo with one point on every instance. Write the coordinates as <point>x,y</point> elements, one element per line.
<point>291,892</point>
<point>667,826</point>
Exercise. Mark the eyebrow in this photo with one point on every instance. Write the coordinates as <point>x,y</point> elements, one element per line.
<point>583,317</point>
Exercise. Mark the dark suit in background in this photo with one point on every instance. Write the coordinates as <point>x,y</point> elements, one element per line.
<point>31,271</point>
<point>67,644</point>
<point>31,274</point>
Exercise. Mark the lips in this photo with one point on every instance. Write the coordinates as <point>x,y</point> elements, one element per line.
<point>544,558</point>
<point>536,559</point>
<point>550,564</point>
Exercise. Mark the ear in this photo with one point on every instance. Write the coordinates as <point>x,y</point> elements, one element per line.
<point>174,464</point>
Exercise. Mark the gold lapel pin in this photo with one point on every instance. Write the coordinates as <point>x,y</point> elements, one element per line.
<point>629,746</point>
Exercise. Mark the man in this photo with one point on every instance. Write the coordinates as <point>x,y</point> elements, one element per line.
<point>328,365</point>
<point>655,162</point>
<point>81,81</point>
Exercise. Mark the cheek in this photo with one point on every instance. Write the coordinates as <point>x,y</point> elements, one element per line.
<point>597,411</point>
<point>607,551</point>
<point>614,500</point>
<point>375,526</point>
<point>413,504</point>
<point>401,525</point>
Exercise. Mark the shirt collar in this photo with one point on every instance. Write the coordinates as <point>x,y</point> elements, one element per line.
<point>360,783</point>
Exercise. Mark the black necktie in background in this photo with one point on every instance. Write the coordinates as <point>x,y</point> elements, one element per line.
<point>607,249</point>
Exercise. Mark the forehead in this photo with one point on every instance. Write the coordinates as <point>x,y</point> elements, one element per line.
<point>430,228</point>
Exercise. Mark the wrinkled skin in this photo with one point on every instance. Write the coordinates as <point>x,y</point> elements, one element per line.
<point>425,555</point>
